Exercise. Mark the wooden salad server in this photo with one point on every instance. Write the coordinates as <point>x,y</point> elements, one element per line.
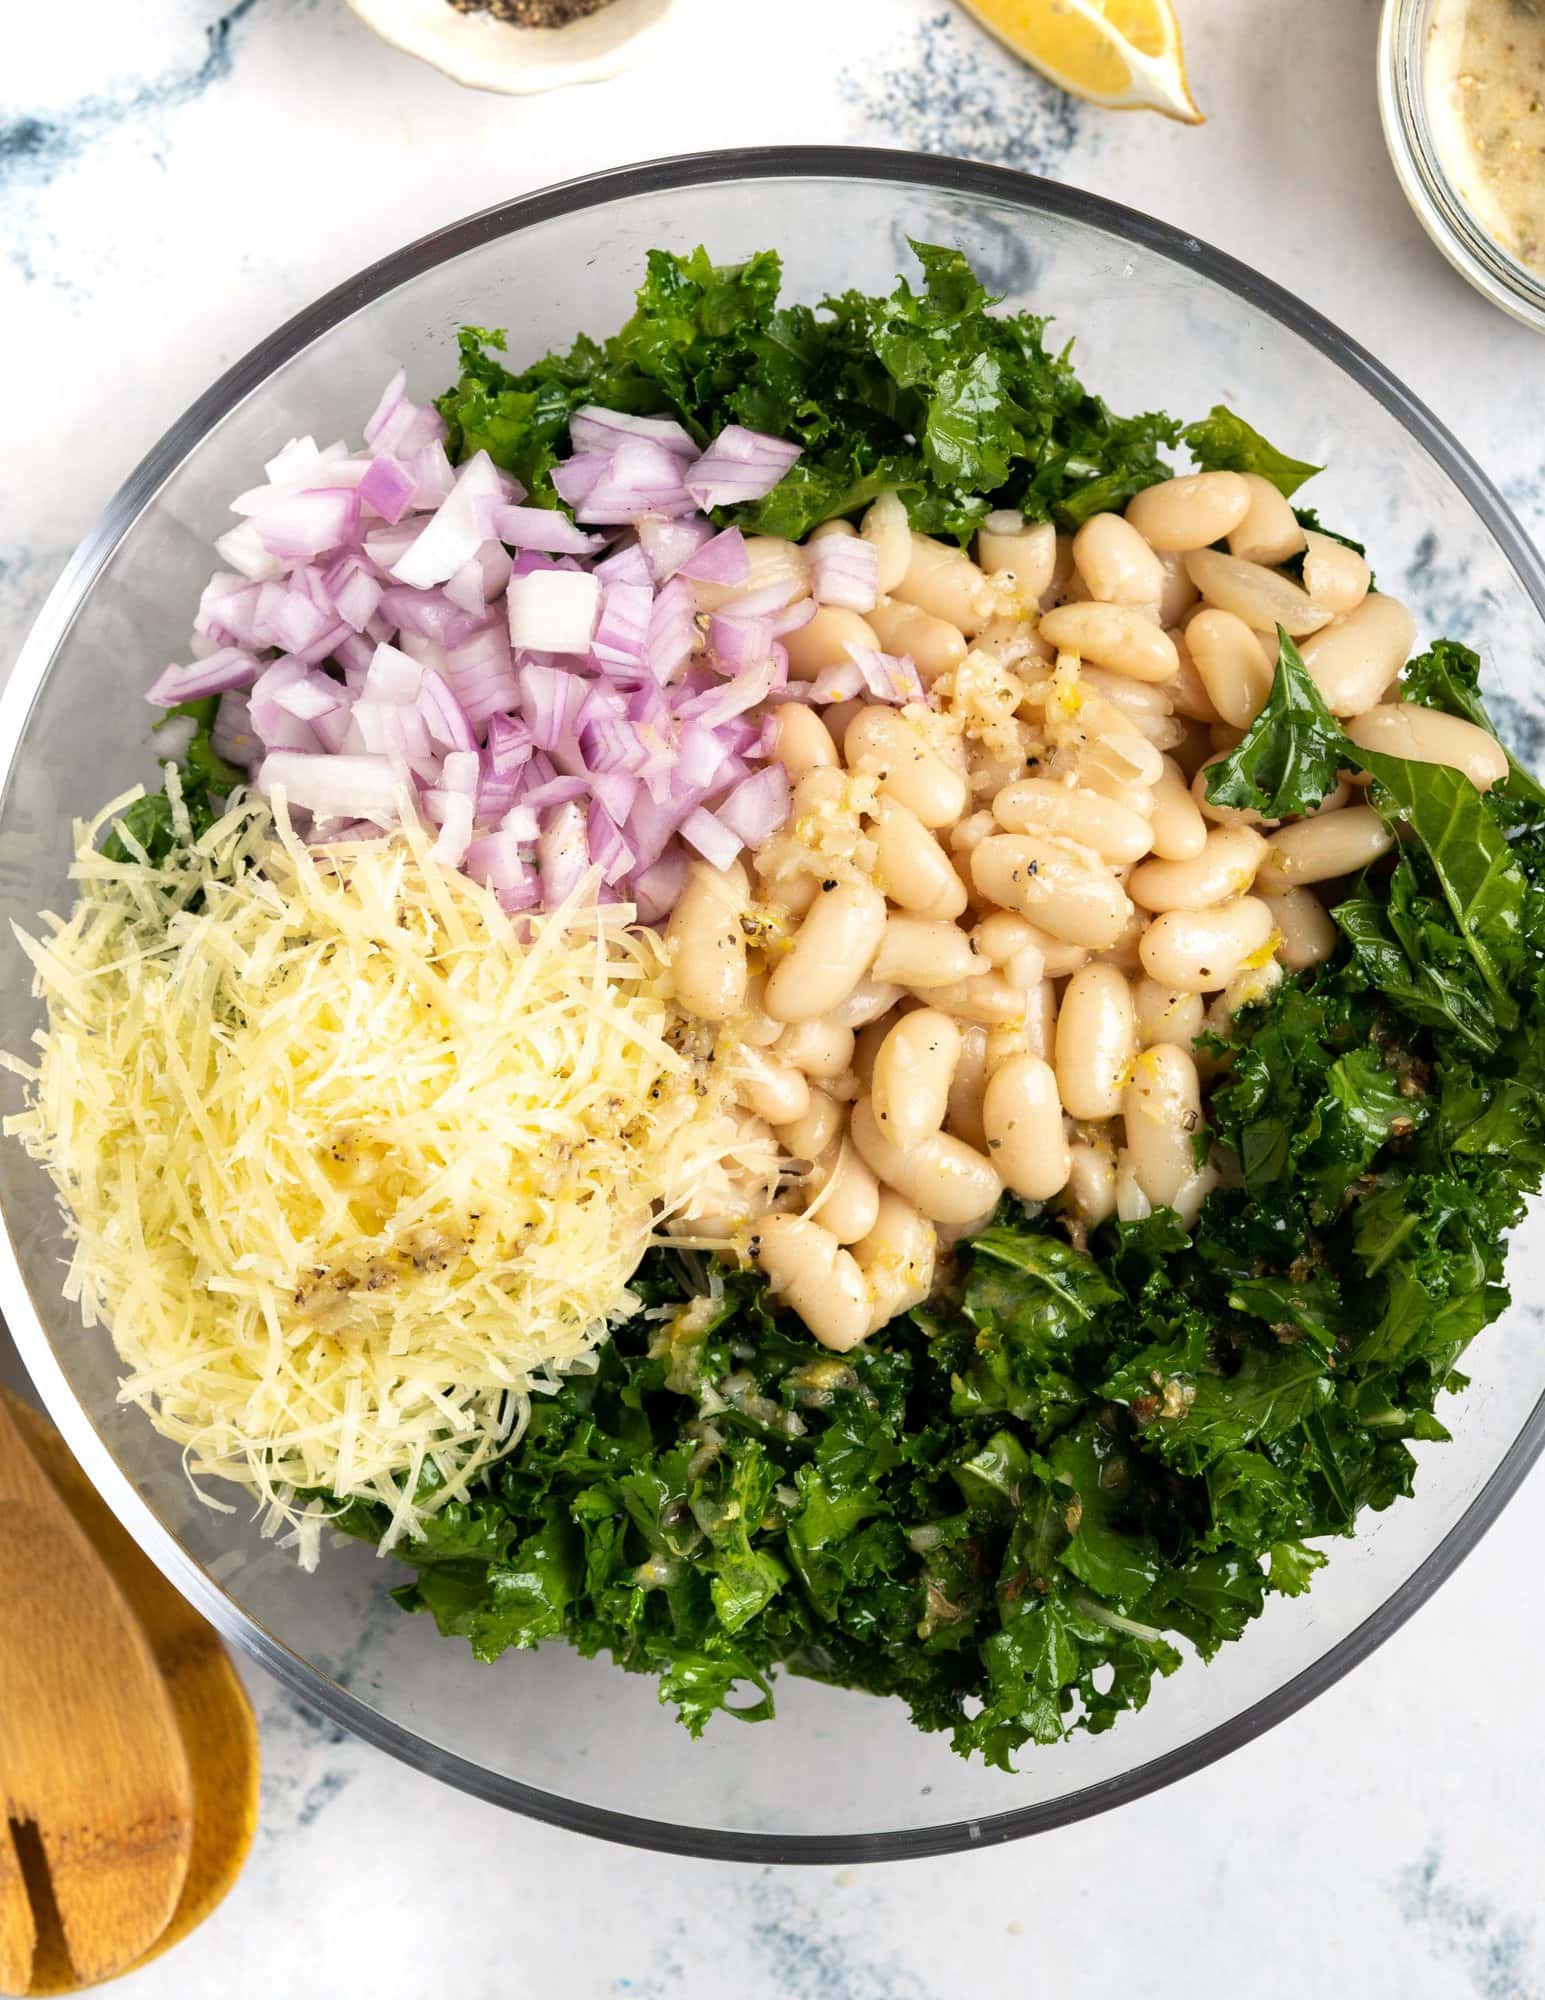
<point>96,1797</point>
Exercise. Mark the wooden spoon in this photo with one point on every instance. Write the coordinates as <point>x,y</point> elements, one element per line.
<point>93,1775</point>
<point>219,1730</point>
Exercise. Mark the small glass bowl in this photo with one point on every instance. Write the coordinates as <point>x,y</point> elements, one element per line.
<point>1426,182</point>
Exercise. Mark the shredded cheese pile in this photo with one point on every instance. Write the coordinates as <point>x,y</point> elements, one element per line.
<point>350,1162</point>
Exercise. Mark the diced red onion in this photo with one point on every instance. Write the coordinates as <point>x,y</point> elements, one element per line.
<point>739,642</point>
<point>457,530</point>
<point>245,550</point>
<point>845,570</point>
<point>542,528</point>
<point>889,676</point>
<point>673,632</point>
<point>563,852</point>
<point>721,559</point>
<point>622,630</point>
<point>335,787</point>
<point>739,465</point>
<point>666,545</point>
<point>757,807</point>
<point>228,669</point>
<point>594,429</point>
<point>717,845</point>
<point>626,564</point>
<point>837,683</point>
<point>232,736</point>
<point>575,478</point>
<point>553,610</point>
<point>444,717</point>
<point>386,488</point>
<point>455,835</point>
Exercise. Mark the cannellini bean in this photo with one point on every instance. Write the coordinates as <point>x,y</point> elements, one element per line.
<point>771,1090</point>
<point>819,1048</point>
<point>1123,951</point>
<point>1023,1119</point>
<point>913,869</point>
<point>885,744</point>
<point>1165,1015</point>
<point>1011,642</point>
<point>913,1072</point>
<point>817,1127</point>
<point>1254,593</point>
<point>887,527</point>
<point>1033,1034</point>
<point>771,560</point>
<point>963,1116</point>
<point>1114,636</point>
<point>897,1257</point>
<point>1428,736</point>
<point>791,893</point>
<point>753,1025</point>
<point>1191,511</point>
<point>1318,850</point>
<point>1053,885</point>
<point>1020,553</point>
<point>707,946</point>
<point>826,640</point>
<point>934,646</point>
<point>986,997</point>
<point>1002,937</point>
<point>1179,592</point>
<point>1116,563</point>
<point>1117,762</point>
<point>1225,868</point>
<point>865,1004</point>
<point>1179,831</point>
<point>1096,1040</point>
<point>943,580</point>
<point>866,1047</point>
<point>830,953</point>
<point>947,1181</point>
<point>970,832</point>
<point>1091,1184</point>
<point>1187,691</point>
<point>1335,576</point>
<point>1145,705</point>
<point>841,1193</point>
<point>1043,805</point>
<point>1161,1110</point>
<point>1269,531</point>
<point>1233,669</point>
<point>918,953</point>
<point>1353,661</point>
<point>1200,951</point>
<point>803,742</point>
<point>814,1277</point>
<point>1306,935</point>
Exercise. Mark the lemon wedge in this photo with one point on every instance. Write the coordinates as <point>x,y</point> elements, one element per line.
<point>1124,54</point>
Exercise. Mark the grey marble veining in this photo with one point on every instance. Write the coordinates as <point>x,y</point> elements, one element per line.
<point>177,178</point>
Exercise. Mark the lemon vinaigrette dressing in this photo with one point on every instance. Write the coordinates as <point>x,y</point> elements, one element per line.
<point>1485,88</point>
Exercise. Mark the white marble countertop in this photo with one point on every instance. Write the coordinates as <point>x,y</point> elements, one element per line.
<point>173,182</point>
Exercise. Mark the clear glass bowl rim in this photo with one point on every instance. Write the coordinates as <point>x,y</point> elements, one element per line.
<point>297,1674</point>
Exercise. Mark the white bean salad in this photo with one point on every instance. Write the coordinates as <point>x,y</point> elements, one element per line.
<point>978,955</point>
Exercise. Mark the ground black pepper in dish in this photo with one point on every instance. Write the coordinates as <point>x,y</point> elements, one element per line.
<point>532,13</point>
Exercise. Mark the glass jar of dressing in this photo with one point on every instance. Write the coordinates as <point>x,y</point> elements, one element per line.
<point>1462,97</point>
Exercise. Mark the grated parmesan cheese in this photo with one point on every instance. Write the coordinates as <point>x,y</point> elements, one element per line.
<point>351,1164</point>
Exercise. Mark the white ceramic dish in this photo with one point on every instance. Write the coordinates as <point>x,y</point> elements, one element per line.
<point>486,54</point>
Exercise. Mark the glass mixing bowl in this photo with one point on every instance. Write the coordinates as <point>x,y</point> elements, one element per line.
<point>1160,321</point>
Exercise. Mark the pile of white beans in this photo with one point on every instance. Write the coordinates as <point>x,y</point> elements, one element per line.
<point>979,953</point>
